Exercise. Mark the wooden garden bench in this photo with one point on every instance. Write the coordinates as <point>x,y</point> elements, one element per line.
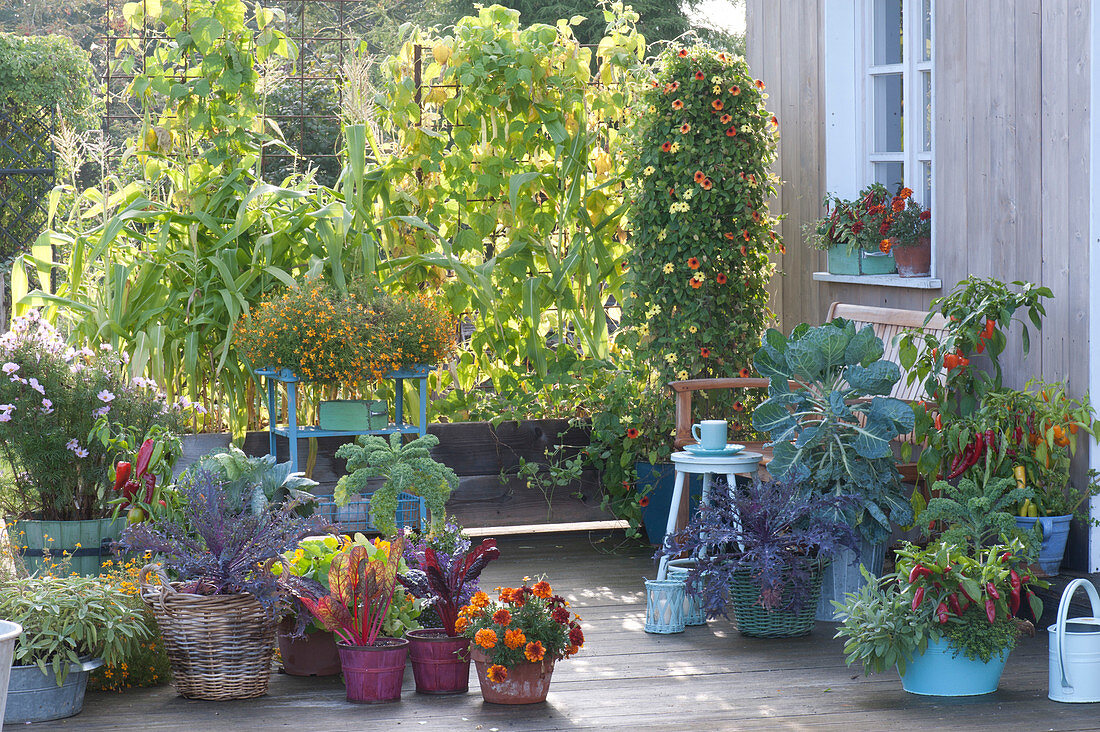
<point>887,323</point>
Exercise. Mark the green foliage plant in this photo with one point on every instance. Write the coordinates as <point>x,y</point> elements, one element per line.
<point>407,468</point>
<point>830,418</point>
<point>936,592</point>
<point>976,511</point>
<point>864,222</point>
<point>699,266</point>
<point>254,484</point>
<point>67,619</point>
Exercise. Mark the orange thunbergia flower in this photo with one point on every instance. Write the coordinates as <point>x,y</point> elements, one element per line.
<point>695,284</point>
<point>744,373</point>
<point>745,234</point>
<point>666,146</point>
<point>502,617</point>
<point>723,57</point>
<point>683,53</point>
<point>699,176</point>
<point>735,90</point>
<point>738,406</point>
<point>496,673</point>
<point>775,120</point>
<point>514,638</point>
<point>485,638</point>
<point>693,263</point>
<point>643,501</point>
<point>707,185</point>
<point>717,104</point>
<point>542,590</point>
<point>720,279</point>
<point>534,652</point>
<point>731,132</point>
<point>699,76</point>
<point>759,84</point>
<point>678,104</point>
<point>704,352</point>
<point>685,128</point>
<point>726,119</point>
<point>782,248</point>
<point>744,250</point>
<point>632,433</point>
<point>730,235</point>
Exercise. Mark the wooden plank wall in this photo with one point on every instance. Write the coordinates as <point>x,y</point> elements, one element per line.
<point>1012,153</point>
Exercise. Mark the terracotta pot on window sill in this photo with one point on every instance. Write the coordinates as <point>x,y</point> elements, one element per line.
<point>913,259</point>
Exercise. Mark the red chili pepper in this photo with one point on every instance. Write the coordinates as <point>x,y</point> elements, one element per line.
<point>990,610</point>
<point>990,440</point>
<point>1005,557</point>
<point>1018,434</point>
<point>150,486</point>
<point>122,474</point>
<point>992,591</point>
<point>941,613</point>
<point>1014,579</point>
<point>989,325</point>
<point>917,572</point>
<point>953,601</point>
<point>1014,600</point>
<point>918,598</point>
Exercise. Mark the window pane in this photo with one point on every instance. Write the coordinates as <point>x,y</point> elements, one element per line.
<point>926,84</point>
<point>891,175</point>
<point>926,32</point>
<point>887,113</point>
<point>887,32</point>
<point>926,182</point>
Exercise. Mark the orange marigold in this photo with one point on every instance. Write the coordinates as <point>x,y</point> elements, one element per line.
<point>502,617</point>
<point>480,599</point>
<point>461,624</point>
<point>514,638</point>
<point>486,638</point>
<point>534,652</point>
<point>496,673</point>
<point>542,589</point>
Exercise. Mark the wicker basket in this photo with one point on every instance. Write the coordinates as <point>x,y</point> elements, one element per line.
<point>753,620</point>
<point>220,647</point>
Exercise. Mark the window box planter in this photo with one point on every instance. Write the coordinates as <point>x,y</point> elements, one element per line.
<point>859,262</point>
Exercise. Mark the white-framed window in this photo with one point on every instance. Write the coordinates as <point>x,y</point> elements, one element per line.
<point>898,82</point>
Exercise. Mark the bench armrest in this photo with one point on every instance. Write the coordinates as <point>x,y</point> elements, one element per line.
<point>684,389</point>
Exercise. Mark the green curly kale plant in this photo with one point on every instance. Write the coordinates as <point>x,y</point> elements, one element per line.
<point>830,419</point>
<point>975,515</point>
<point>407,468</point>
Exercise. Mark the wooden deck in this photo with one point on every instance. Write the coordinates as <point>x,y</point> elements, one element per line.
<point>708,678</point>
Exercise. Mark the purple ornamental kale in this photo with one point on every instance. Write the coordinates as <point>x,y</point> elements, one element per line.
<point>215,551</point>
<point>776,530</point>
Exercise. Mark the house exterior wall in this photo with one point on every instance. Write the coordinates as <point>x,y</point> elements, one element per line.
<point>1011,189</point>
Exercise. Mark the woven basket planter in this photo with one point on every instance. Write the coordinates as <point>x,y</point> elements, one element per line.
<point>220,647</point>
<point>753,620</point>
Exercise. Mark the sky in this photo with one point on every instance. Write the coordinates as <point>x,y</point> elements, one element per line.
<point>722,14</point>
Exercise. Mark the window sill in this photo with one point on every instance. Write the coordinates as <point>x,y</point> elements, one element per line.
<point>890,280</point>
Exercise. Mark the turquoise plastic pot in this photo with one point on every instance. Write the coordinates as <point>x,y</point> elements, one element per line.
<point>939,672</point>
<point>1055,533</point>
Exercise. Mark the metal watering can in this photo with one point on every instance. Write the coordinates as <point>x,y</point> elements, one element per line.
<point>1075,650</point>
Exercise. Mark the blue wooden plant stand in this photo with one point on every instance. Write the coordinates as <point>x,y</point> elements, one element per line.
<point>292,431</point>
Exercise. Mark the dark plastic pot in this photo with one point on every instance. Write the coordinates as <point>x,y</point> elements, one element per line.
<point>441,664</point>
<point>373,674</point>
<point>313,655</point>
<point>527,683</point>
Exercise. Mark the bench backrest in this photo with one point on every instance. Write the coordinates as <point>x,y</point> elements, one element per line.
<point>888,323</point>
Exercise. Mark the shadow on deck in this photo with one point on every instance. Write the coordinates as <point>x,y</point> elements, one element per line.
<point>707,678</point>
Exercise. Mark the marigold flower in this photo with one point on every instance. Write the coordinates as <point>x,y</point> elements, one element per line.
<point>632,432</point>
<point>905,193</point>
<point>704,352</point>
<point>542,590</point>
<point>731,132</point>
<point>643,501</point>
<point>486,638</point>
<point>744,373</point>
<point>685,128</point>
<point>735,90</point>
<point>496,673</point>
<point>514,638</point>
<point>502,617</point>
<point>461,624</point>
<point>695,284</point>
<point>720,278</point>
<point>707,184</point>
<point>925,215</point>
<point>534,652</point>
<point>576,637</point>
<point>666,146</point>
<point>717,105</point>
<point>898,204</point>
<point>678,104</point>
<point>480,599</point>
<point>693,263</point>
<point>884,246</point>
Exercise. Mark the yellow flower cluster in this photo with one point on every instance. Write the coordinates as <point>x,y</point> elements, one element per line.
<point>147,664</point>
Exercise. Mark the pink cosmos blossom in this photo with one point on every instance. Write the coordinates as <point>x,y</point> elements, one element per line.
<point>9,368</point>
<point>105,396</point>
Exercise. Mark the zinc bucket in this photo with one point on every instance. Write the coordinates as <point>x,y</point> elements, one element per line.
<point>1075,650</point>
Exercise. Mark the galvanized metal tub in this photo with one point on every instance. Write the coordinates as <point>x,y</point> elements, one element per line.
<point>35,697</point>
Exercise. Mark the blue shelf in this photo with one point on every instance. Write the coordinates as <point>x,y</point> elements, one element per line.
<point>408,429</point>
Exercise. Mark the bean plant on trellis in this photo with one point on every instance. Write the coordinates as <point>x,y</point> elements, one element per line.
<point>510,148</point>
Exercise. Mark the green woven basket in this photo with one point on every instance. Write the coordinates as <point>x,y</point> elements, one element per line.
<point>753,620</point>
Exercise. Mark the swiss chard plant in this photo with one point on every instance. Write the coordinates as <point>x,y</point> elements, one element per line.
<point>443,579</point>
<point>831,420</point>
<point>360,593</point>
<point>777,530</point>
<point>407,468</point>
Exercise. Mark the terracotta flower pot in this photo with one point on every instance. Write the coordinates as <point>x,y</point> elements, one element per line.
<point>441,663</point>
<point>373,674</point>
<point>913,260</point>
<point>313,655</point>
<point>527,683</point>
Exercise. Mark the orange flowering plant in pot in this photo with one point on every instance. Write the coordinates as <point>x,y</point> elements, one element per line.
<point>517,639</point>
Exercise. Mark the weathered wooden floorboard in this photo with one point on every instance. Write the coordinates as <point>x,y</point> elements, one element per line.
<point>708,678</point>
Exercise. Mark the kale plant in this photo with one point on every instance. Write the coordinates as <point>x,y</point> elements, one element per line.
<point>777,530</point>
<point>215,548</point>
<point>835,426</point>
<point>257,482</point>
<point>976,516</point>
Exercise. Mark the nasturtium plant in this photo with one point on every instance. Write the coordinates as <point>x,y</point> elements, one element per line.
<point>831,419</point>
<point>702,231</point>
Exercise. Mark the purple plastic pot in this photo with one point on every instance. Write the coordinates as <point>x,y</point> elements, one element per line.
<point>313,655</point>
<point>441,664</point>
<point>373,674</point>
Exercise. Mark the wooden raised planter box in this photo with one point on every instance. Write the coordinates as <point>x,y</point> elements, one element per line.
<point>478,453</point>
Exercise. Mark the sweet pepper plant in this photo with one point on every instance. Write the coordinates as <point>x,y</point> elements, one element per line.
<point>702,231</point>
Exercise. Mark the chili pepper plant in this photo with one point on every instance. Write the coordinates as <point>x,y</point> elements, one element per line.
<point>942,591</point>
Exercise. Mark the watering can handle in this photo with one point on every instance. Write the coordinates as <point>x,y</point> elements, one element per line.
<point>1063,611</point>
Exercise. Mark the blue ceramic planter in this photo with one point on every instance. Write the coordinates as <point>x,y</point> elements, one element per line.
<point>1055,533</point>
<point>659,480</point>
<point>939,672</point>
